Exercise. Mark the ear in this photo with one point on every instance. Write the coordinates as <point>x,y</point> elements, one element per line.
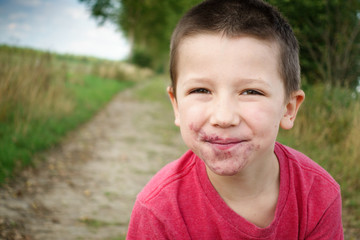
<point>291,109</point>
<point>174,104</point>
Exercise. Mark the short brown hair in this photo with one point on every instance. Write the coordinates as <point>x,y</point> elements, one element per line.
<point>233,18</point>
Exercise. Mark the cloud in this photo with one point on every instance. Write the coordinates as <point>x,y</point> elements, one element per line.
<point>104,33</point>
<point>103,42</point>
<point>15,32</point>
<point>17,16</point>
<point>32,3</point>
<point>25,27</point>
<point>12,26</point>
<point>77,13</point>
<point>61,26</point>
<point>21,27</point>
<point>99,48</point>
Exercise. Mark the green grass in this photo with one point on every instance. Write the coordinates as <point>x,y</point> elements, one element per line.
<point>154,90</point>
<point>122,237</point>
<point>18,147</point>
<point>92,94</point>
<point>96,223</point>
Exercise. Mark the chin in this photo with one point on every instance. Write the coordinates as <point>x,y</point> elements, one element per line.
<point>228,167</point>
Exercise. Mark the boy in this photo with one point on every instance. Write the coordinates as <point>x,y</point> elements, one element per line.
<point>235,80</point>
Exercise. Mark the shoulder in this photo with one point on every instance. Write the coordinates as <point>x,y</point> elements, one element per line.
<point>166,183</point>
<point>304,168</point>
<point>312,189</point>
<point>157,213</point>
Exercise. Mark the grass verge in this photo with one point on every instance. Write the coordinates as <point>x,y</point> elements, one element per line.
<point>18,146</point>
<point>42,98</point>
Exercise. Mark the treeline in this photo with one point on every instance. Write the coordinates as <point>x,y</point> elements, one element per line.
<point>328,32</point>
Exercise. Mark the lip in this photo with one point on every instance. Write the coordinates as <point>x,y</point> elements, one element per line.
<point>224,143</point>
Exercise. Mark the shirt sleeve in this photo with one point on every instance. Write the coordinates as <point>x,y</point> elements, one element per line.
<point>145,225</point>
<point>330,225</point>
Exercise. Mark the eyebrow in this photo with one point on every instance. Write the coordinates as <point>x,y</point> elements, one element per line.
<point>254,80</point>
<point>244,81</point>
<point>191,80</point>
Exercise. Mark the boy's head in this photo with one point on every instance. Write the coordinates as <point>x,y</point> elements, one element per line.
<point>233,18</point>
<point>230,63</point>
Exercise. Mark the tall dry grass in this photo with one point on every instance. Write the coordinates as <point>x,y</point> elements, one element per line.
<point>113,70</point>
<point>33,83</point>
<point>31,87</point>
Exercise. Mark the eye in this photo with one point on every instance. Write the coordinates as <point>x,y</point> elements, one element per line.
<point>200,90</point>
<point>251,92</point>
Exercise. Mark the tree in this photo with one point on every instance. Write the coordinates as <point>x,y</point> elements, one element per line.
<point>328,33</point>
<point>147,24</point>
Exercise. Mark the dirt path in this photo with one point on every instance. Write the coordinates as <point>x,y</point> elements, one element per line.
<point>87,186</point>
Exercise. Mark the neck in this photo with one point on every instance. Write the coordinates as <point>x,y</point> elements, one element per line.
<point>253,181</point>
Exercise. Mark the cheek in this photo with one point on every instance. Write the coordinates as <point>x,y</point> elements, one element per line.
<point>192,115</point>
<point>263,118</point>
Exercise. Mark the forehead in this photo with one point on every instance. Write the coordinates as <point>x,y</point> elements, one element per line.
<point>218,38</point>
<point>210,51</point>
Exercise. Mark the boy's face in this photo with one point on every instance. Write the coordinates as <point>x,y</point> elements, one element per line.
<point>230,100</point>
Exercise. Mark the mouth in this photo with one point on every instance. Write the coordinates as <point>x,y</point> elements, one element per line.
<point>224,143</point>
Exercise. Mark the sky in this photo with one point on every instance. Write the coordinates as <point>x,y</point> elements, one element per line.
<point>62,26</point>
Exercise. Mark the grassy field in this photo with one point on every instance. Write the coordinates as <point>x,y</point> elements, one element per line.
<point>44,95</point>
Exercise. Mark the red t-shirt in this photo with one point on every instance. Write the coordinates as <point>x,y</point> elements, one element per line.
<point>180,203</point>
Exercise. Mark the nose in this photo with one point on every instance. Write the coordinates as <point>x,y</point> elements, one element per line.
<point>225,113</point>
